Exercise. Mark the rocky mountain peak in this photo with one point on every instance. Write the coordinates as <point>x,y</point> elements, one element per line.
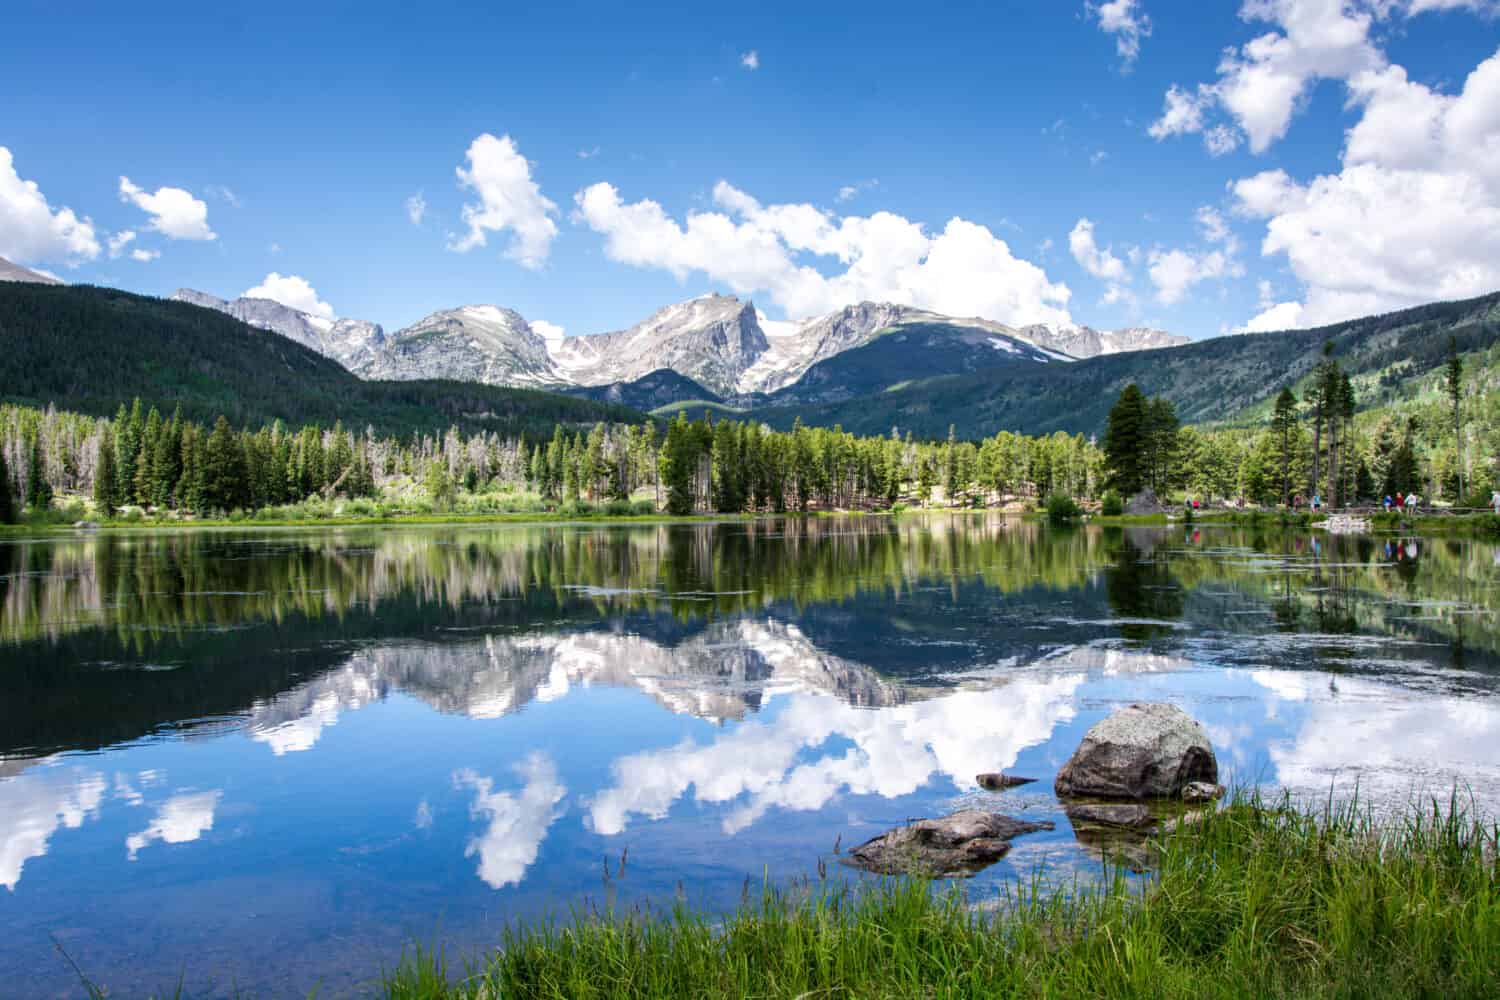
<point>350,342</point>
<point>15,272</point>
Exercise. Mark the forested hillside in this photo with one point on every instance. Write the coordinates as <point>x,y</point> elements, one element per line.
<point>94,349</point>
<point>1227,379</point>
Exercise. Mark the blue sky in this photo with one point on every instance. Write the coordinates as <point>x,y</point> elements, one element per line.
<point>1194,166</point>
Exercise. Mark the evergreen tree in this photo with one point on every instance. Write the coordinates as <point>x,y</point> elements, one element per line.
<point>223,472</point>
<point>104,475</point>
<point>1453,383</point>
<point>7,499</point>
<point>1125,442</point>
<point>1283,429</point>
<point>678,466</point>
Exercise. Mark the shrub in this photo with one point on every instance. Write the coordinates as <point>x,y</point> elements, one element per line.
<point>643,507</point>
<point>1061,508</point>
<point>1112,504</point>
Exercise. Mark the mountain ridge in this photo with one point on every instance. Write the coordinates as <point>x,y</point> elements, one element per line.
<point>717,343</point>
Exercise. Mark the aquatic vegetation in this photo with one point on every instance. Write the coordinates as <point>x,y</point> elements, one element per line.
<point>1262,898</point>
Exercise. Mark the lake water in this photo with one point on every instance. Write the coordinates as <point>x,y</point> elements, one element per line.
<point>266,760</point>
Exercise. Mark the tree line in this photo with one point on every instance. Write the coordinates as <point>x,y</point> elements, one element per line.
<point>143,459</point>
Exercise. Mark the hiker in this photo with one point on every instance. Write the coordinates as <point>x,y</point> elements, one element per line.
<point>1317,502</point>
<point>1495,502</point>
<point>1412,501</point>
<point>1388,503</point>
<point>1400,500</point>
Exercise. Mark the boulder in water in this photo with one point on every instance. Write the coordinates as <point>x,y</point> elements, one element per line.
<point>1142,751</point>
<point>956,845</point>
<point>1144,502</point>
<point>996,781</point>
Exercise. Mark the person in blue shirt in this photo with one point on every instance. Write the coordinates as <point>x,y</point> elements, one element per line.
<point>1387,503</point>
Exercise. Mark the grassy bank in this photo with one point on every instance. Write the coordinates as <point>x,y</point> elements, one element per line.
<point>1256,900</point>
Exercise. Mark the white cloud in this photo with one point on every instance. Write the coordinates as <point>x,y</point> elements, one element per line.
<point>31,231</point>
<point>180,820</point>
<point>293,291</point>
<point>963,270</point>
<point>1174,272</point>
<point>416,208</point>
<point>1412,216</point>
<point>175,213</point>
<point>1182,112</point>
<point>1097,157</point>
<point>119,241</point>
<point>518,823</point>
<point>851,191</point>
<point>34,804</point>
<point>547,331</point>
<point>588,154</point>
<point>1127,21</point>
<point>1262,84</point>
<point>1274,318</point>
<point>750,60</point>
<point>143,255</point>
<point>508,200</point>
<point>222,193</point>
<point>274,248</point>
<point>820,746</point>
<point>1101,263</point>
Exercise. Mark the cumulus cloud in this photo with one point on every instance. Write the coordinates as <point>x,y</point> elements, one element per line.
<point>119,241</point>
<point>517,822</point>
<point>416,208</point>
<point>820,746</point>
<point>547,331</point>
<point>1174,272</point>
<point>143,255</point>
<point>964,269</point>
<point>32,807</point>
<point>31,230</point>
<point>1261,85</point>
<point>1101,263</point>
<point>175,213</point>
<point>750,60</point>
<point>180,820</point>
<point>509,200</point>
<point>1127,21</point>
<point>292,291</point>
<point>1413,215</point>
<point>851,191</point>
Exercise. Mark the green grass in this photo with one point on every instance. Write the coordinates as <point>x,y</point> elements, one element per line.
<point>1259,899</point>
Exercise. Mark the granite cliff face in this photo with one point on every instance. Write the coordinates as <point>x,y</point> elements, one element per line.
<point>350,342</point>
<point>471,344</point>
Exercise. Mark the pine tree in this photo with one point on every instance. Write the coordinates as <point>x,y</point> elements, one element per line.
<point>7,501</point>
<point>1125,441</point>
<point>223,469</point>
<point>1454,384</point>
<point>1283,427</point>
<point>104,475</point>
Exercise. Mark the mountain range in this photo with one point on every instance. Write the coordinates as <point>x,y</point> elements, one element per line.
<point>718,347</point>
<point>15,272</point>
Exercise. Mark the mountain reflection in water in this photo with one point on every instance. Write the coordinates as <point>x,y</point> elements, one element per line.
<point>360,734</point>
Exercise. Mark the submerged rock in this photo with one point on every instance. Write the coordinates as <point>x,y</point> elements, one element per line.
<point>995,781</point>
<point>1142,751</point>
<point>1201,791</point>
<point>956,845</point>
<point>1125,815</point>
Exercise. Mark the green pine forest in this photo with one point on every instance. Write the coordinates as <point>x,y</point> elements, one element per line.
<point>299,437</point>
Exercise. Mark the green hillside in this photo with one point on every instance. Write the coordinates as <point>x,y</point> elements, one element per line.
<point>906,353</point>
<point>1226,379</point>
<point>93,349</point>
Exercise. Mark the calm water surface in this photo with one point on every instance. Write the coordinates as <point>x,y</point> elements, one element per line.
<point>264,761</point>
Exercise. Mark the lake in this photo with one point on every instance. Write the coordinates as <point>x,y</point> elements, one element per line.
<point>266,760</point>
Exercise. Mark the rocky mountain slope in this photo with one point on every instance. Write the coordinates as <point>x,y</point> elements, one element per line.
<point>714,347</point>
<point>1225,378</point>
<point>15,272</point>
<point>350,342</point>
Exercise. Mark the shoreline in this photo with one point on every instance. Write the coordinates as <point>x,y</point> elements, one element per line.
<point>1257,898</point>
<point>1476,525</point>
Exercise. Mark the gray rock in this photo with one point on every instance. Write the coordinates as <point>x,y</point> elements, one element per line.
<point>955,845</point>
<point>1142,751</point>
<point>1201,791</point>
<point>86,525</point>
<point>1126,815</point>
<point>350,342</point>
<point>1144,502</point>
<point>995,781</point>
